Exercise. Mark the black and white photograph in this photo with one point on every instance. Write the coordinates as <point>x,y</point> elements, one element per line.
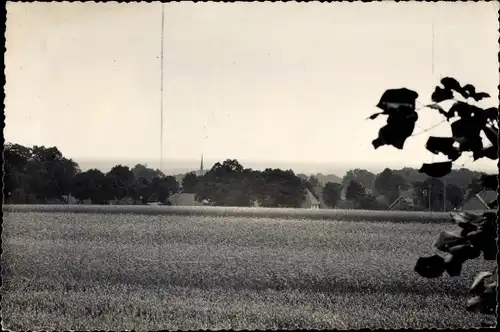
<point>250,165</point>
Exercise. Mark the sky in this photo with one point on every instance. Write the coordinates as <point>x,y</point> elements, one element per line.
<point>264,83</point>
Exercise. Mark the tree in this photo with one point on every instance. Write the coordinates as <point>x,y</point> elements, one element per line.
<point>49,174</point>
<point>454,196</point>
<point>91,185</point>
<point>282,189</point>
<point>16,158</point>
<point>389,184</point>
<point>355,192</point>
<point>189,182</point>
<point>142,171</point>
<point>479,232</point>
<point>331,193</point>
<point>121,181</point>
<point>163,188</point>
<point>362,176</point>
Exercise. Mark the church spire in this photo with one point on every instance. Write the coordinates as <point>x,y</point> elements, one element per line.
<point>201,165</point>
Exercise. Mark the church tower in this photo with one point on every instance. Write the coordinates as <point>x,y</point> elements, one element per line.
<point>202,171</point>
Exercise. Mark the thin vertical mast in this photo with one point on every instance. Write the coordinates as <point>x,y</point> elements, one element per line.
<point>161,88</point>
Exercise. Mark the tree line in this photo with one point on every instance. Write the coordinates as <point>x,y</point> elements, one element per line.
<point>40,175</point>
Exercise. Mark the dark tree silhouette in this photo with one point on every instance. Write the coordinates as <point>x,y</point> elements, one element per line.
<point>189,182</point>
<point>355,191</point>
<point>478,232</point>
<point>331,193</point>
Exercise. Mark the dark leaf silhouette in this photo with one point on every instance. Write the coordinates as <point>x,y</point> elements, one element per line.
<point>469,90</point>
<point>464,110</point>
<point>375,115</point>
<point>489,182</point>
<point>430,267</point>
<point>453,265</point>
<point>436,170</point>
<point>477,287</point>
<point>491,113</point>
<point>467,133</point>
<point>493,204</point>
<point>441,94</point>
<point>483,292</point>
<point>478,233</point>
<point>400,126</point>
<point>450,83</point>
<point>447,240</point>
<point>490,152</point>
<point>443,145</point>
<point>480,96</point>
<point>464,252</point>
<point>394,98</point>
<point>489,248</point>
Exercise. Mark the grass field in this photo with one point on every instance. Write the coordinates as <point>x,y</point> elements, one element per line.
<point>148,272</point>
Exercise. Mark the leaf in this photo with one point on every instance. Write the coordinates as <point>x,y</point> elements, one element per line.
<point>450,83</point>
<point>489,248</point>
<point>453,265</point>
<point>464,110</point>
<point>480,95</point>
<point>443,145</point>
<point>490,152</point>
<point>491,113</point>
<point>436,170</point>
<point>430,267</point>
<point>477,287</point>
<point>464,219</point>
<point>378,142</point>
<point>375,115</point>
<point>441,94</point>
<point>394,98</point>
<point>400,126</point>
<point>469,89</point>
<point>447,240</point>
<point>489,182</point>
<point>463,252</point>
<point>493,204</point>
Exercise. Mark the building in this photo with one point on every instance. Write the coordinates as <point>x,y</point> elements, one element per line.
<point>405,201</point>
<point>480,202</point>
<point>201,171</point>
<point>310,202</point>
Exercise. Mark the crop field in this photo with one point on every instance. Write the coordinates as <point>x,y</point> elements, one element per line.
<point>91,271</point>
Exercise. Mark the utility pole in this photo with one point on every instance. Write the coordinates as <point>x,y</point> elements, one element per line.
<point>429,196</point>
<point>444,195</point>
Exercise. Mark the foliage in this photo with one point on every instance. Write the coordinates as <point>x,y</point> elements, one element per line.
<point>362,176</point>
<point>355,191</point>
<point>189,182</point>
<point>389,184</point>
<point>478,233</point>
<point>331,193</point>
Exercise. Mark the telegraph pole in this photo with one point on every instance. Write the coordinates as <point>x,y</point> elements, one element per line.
<point>429,196</point>
<point>444,195</point>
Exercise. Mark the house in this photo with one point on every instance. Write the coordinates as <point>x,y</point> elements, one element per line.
<point>310,202</point>
<point>155,203</point>
<point>480,201</point>
<point>404,201</point>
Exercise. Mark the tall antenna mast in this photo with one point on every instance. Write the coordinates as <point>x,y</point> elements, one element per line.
<point>161,87</point>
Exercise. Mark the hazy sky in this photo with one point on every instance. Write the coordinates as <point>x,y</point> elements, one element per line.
<point>276,82</point>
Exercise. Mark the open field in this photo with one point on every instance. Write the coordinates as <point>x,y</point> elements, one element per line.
<point>91,271</point>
